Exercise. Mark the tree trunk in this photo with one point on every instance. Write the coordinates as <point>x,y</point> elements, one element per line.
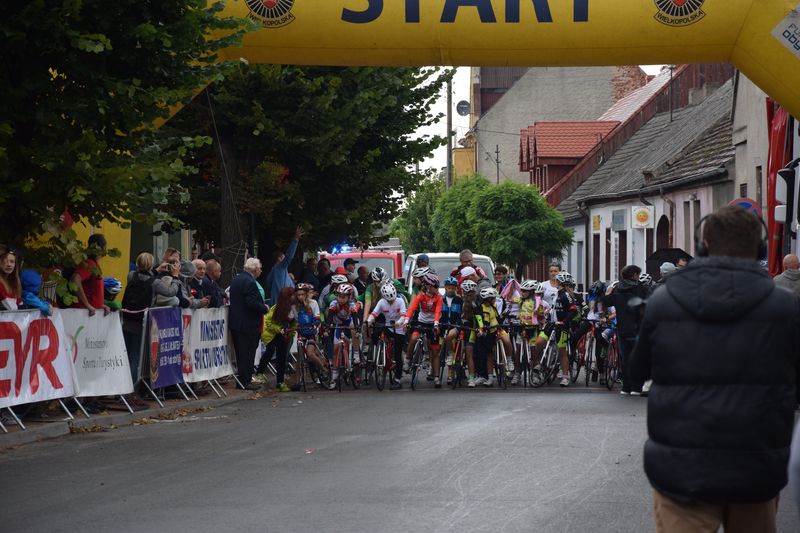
<point>232,245</point>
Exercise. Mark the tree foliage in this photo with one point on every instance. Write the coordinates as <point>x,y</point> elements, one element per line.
<point>83,83</point>
<point>510,222</point>
<point>325,147</point>
<point>514,225</point>
<point>414,226</point>
<point>452,228</point>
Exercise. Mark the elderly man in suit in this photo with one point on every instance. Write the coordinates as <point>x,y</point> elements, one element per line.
<point>246,316</point>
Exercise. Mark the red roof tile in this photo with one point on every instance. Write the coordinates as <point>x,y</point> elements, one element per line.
<point>572,140</point>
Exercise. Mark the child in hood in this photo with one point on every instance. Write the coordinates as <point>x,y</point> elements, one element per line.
<point>31,282</point>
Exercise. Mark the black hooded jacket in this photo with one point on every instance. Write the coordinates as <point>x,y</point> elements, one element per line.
<point>721,344</point>
<point>628,318</point>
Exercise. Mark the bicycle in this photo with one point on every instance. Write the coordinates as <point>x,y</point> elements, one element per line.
<point>343,361</point>
<point>500,362</point>
<point>303,343</point>
<point>551,360</point>
<point>525,366</point>
<point>421,351</point>
<point>459,364</point>
<point>383,366</point>
<point>612,363</point>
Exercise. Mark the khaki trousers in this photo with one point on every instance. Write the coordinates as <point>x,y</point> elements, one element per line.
<point>675,517</point>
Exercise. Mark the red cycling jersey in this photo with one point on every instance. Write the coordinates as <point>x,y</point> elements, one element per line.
<point>430,308</point>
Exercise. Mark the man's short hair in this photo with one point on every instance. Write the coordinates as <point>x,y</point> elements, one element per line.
<point>212,265</point>
<point>732,231</point>
<point>464,254</point>
<point>252,264</point>
<point>276,255</point>
<point>324,260</point>
<point>554,264</point>
<point>631,272</point>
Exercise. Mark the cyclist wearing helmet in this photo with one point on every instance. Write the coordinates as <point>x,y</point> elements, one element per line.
<point>429,303</point>
<point>491,325</point>
<point>370,298</point>
<point>551,287</point>
<point>532,312</point>
<point>329,293</point>
<point>452,305</point>
<point>343,316</point>
<point>564,310</point>
<point>416,279</point>
<point>306,313</point>
<point>392,309</point>
<point>472,318</point>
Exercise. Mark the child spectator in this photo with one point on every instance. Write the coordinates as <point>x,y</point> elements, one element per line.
<point>31,283</point>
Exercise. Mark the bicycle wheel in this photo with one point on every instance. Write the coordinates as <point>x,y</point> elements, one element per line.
<point>574,364</point>
<point>355,369</point>
<point>380,365</point>
<point>416,361</point>
<point>553,362</point>
<point>500,366</point>
<point>612,367</point>
<point>340,366</point>
<point>524,363</point>
<point>589,359</point>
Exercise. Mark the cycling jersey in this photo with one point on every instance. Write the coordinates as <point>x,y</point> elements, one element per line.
<point>430,308</point>
<point>343,316</point>
<point>532,312</point>
<point>308,318</point>
<point>369,294</point>
<point>565,307</point>
<point>491,318</point>
<point>451,310</point>
<point>390,311</point>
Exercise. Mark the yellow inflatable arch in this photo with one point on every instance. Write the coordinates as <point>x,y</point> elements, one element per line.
<point>760,37</point>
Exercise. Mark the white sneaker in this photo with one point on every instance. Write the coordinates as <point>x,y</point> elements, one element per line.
<point>635,393</point>
<point>437,383</point>
<point>480,380</point>
<point>449,380</point>
<point>646,386</point>
<point>624,393</point>
<point>515,379</point>
<point>471,382</point>
<point>332,385</point>
<point>489,382</point>
<point>564,382</point>
<point>560,375</point>
<point>406,367</point>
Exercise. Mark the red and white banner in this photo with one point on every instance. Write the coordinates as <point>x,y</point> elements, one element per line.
<point>35,360</point>
<point>99,356</point>
<point>207,346</point>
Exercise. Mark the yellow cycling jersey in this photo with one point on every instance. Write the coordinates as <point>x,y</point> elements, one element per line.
<point>491,318</point>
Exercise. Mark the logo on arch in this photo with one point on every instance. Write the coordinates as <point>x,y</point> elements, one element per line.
<point>271,13</point>
<point>679,12</point>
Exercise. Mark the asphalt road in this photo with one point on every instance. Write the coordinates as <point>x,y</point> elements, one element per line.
<point>466,461</point>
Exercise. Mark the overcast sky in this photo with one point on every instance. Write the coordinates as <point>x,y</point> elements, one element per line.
<point>461,90</point>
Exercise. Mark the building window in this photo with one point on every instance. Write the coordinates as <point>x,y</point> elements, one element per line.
<point>743,190</point>
<point>687,226</point>
<point>759,191</point>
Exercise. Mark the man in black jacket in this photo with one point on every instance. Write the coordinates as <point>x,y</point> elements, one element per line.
<point>246,315</point>
<point>720,342</point>
<point>628,322</point>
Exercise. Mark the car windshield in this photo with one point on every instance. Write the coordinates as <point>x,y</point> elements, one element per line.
<point>371,263</point>
<point>444,266</point>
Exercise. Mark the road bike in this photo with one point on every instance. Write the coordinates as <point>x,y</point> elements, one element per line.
<point>551,361</point>
<point>343,360</point>
<point>500,362</point>
<point>459,364</point>
<point>525,361</point>
<point>304,344</point>
<point>421,351</point>
<point>383,365</point>
<point>612,362</point>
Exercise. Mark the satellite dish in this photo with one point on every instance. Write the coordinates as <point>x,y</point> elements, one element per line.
<point>463,108</point>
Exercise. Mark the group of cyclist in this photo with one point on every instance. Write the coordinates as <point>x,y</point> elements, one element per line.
<point>471,309</point>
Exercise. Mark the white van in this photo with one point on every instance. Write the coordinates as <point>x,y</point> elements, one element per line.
<point>444,264</point>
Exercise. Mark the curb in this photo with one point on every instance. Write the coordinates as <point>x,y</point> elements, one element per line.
<point>39,431</point>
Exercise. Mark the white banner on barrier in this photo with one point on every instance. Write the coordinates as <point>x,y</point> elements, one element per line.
<point>35,360</point>
<point>207,346</point>
<point>99,356</point>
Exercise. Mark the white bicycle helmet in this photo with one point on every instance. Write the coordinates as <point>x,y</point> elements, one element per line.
<point>645,279</point>
<point>418,273</point>
<point>338,279</point>
<point>564,278</point>
<point>345,289</point>
<point>488,293</point>
<point>388,292</point>
<point>539,289</point>
<point>468,286</point>
<point>378,275</point>
<point>529,285</point>
<point>614,285</point>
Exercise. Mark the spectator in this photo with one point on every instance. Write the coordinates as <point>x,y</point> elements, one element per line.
<point>681,263</point>
<point>278,277</point>
<point>167,286</point>
<point>423,261</point>
<point>188,271</point>
<point>10,286</point>
<point>139,295</point>
<point>790,279</point>
<point>350,267</point>
<point>209,256</point>
<point>473,274</point>
<point>197,283</point>
<point>246,316</point>
<point>111,289</point>
<point>362,281</point>
<point>467,260</point>
<point>309,274</point>
<point>721,347</point>
<point>31,283</point>
<point>666,270</point>
<point>794,467</point>
<point>170,255</point>
<point>279,327</point>
<point>324,274</point>
<point>500,278</point>
<point>213,274</point>
<point>88,277</point>
<point>628,322</point>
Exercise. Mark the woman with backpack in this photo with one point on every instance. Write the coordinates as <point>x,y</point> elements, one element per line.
<point>138,297</point>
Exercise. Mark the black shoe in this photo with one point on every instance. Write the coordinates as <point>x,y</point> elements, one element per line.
<point>250,386</point>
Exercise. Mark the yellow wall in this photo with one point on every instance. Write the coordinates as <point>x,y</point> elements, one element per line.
<point>616,32</point>
<point>117,237</point>
<point>463,162</point>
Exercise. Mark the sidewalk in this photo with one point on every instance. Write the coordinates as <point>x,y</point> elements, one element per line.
<point>117,415</point>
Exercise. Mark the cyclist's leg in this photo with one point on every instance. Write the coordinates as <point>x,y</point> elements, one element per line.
<point>412,344</point>
<point>563,353</point>
<point>397,349</point>
<point>435,349</point>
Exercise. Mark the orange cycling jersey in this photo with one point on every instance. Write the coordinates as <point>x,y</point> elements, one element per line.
<point>430,308</point>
